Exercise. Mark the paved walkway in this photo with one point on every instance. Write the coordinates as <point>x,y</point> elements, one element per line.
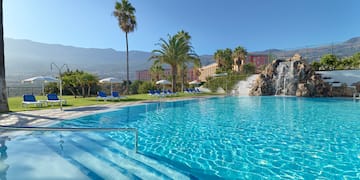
<point>49,116</point>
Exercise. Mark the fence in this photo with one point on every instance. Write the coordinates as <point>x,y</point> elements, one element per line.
<point>19,91</point>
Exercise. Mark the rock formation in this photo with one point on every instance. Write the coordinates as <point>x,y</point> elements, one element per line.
<point>293,77</point>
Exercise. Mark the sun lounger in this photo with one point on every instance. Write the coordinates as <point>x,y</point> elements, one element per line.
<point>102,95</point>
<point>54,99</point>
<point>29,99</point>
<point>116,96</point>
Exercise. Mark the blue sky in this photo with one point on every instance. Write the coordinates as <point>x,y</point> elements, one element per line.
<point>254,24</point>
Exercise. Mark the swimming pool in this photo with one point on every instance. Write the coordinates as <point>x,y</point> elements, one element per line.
<point>230,137</point>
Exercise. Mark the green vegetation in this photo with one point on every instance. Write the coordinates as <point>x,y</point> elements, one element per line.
<point>145,86</point>
<point>15,103</point>
<point>225,82</point>
<point>79,83</point>
<point>156,72</point>
<point>125,14</point>
<point>331,62</point>
<point>226,59</point>
<point>176,51</point>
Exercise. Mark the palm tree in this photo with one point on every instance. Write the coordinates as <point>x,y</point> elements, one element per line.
<point>191,59</point>
<point>173,52</point>
<point>125,14</point>
<point>239,55</point>
<point>4,107</point>
<point>223,59</point>
<point>156,71</point>
<point>219,56</point>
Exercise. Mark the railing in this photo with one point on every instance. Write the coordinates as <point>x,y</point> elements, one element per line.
<point>356,95</point>
<point>12,128</point>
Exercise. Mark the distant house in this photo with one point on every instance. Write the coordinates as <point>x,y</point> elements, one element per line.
<point>144,75</point>
<point>258,59</point>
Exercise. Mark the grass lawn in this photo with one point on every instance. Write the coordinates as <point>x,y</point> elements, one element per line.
<point>15,103</point>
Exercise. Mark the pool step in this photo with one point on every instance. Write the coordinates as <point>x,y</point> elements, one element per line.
<point>144,160</point>
<point>90,165</point>
<point>107,159</point>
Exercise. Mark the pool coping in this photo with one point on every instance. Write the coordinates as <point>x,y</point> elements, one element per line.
<point>47,117</point>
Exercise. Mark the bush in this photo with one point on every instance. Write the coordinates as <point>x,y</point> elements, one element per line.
<point>145,87</point>
<point>134,87</point>
<point>225,82</point>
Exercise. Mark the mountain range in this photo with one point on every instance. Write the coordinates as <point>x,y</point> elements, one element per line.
<point>25,58</point>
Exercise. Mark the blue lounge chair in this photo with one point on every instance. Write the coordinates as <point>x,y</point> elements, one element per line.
<point>169,92</point>
<point>151,92</point>
<point>197,90</point>
<point>189,90</point>
<point>29,99</point>
<point>54,99</point>
<point>116,96</point>
<point>102,95</point>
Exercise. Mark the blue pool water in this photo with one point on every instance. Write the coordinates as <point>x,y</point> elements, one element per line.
<point>243,137</point>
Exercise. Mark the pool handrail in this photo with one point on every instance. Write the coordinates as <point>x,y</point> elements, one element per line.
<point>14,128</point>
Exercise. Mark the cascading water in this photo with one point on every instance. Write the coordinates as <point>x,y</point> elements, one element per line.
<point>243,87</point>
<point>286,79</point>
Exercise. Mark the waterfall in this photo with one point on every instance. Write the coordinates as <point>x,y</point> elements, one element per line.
<point>286,80</point>
<point>242,88</point>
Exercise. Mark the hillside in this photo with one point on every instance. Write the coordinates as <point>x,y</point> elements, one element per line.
<point>314,53</point>
<point>24,58</point>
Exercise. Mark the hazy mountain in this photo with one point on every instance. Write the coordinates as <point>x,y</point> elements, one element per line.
<point>346,48</point>
<point>26,58</point>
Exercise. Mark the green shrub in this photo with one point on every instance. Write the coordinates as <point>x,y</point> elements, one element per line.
<point>225,82</point>
<point>134,87</point>
<point>145,87</point>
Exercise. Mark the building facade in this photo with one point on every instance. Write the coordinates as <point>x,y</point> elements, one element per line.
<point>258,59</point>
<point>207,71</point>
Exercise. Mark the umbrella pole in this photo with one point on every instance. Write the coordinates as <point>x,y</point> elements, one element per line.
<point>43,89</point>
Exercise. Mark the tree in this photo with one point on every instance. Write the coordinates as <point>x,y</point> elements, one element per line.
<point>224,59</point>
<point>329,61</point>
<point>156,72</point>
<point>239,55</point>
<point>183,64</point>
<point>248,68</point>
<point>173,52</point>
<point>315,65</point>
<point>356,60</point>
<point>4,106</point>
<point>76,81</point>
<point>89,80</point>
<point>125,14</point>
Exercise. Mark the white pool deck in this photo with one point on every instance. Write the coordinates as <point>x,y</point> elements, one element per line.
<point>49,116</point>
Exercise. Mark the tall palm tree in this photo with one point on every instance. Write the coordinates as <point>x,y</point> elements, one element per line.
<point>219,56</point>
<point>4,107</point>
<point>190,59</point>
<point>125,14</point>
<point>173,52</point>
<point>239,55</point>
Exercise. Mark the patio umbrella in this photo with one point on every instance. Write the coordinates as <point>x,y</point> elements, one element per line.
<point>40,79</point>
<point>163,82</point>
<point>110,80</point>
<point>197,82</point>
